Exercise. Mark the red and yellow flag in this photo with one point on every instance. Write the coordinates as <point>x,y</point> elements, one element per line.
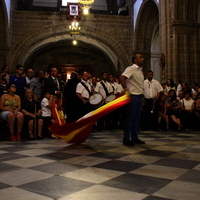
<point>78,132</point>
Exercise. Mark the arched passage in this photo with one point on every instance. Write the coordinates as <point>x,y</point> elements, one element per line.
<point>90,37</point>
<point>147,39</point>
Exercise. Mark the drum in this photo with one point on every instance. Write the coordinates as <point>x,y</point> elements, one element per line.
<point>96,100</point>
<point>110,98</point>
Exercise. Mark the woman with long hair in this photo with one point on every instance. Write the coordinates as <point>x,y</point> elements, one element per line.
<point>10,105</point>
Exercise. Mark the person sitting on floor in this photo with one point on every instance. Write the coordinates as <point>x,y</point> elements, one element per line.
<point>10,105</point>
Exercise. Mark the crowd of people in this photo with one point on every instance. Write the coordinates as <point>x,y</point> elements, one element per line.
<point>26,100</point>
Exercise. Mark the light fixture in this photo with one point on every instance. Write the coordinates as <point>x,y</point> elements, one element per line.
<point>74,42</point>
<point>74,28</point>
<point>86,5</point>
<point>86,2</point>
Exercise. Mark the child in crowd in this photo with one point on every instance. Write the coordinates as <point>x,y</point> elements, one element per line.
<point>46,105</point>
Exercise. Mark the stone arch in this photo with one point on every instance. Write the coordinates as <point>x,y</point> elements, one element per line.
<point>3,33</point>
<point>147,35</point>
<point>57,33</point>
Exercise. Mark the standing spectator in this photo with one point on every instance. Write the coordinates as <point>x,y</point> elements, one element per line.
<point>70,98</point>
<point>31,109</point>
<point>5,70</point>
<point>19,80</point>
<point>10,104</point>
<point>52,84</point>
<point>29,76</point>
<point>152,90</point>
<point>36,85</point>
<point>132,80</point>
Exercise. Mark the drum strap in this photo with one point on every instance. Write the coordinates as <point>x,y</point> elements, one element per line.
<point>85,86</point>
<point>104,87</point>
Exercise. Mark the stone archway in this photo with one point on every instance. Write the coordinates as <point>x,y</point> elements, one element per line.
<point>91,36</point>
<point>147,39</point>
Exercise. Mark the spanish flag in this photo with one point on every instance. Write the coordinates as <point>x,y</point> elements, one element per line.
<point>78,132</point>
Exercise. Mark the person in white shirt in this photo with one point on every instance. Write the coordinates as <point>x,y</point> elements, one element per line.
<point>105,89</point>
<point>179,87</point>
<point>132,80</point>
<point>46,105</point>
<point>29,76</point>
<point>83,92</point>
<point>152,90</point>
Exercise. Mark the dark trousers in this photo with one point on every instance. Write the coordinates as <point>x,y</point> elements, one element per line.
<point>131,125</point>
<point>150,115</point>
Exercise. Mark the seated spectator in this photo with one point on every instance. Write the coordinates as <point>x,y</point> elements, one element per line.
<point>197,107</point>
<point>185,87</point>
<point>170,85</point>
<point>173,109</point>
<point>187,107</point>
<point>162,111</point>
<point>5,70</point>
<point>181,95</point>
<point>32,111</point>
<point>46,106</point>
<point>10,105</point>
<point>3,88</point>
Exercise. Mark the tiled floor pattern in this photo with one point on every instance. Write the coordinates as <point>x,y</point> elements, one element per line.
<point>167,167</point>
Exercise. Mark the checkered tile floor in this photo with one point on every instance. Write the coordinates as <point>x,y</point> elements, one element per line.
<point>167,167</point>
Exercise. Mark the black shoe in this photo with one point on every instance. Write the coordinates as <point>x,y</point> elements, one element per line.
<point>138,141</point>
<point>40,138</point>
<point>128,143</point>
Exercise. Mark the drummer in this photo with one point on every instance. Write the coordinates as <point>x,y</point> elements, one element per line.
<point>83,92</point>
<point>115,85</point>
<point>105,89</point>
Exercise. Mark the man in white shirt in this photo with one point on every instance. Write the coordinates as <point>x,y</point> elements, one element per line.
<point>152,90</point>
<point>132,80</point>
<point>105,89</point>
<point>83,92</point>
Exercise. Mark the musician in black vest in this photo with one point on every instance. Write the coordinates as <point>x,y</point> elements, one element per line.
<point>83,92</point>
<point>52,84</point>
<point>105,89</point>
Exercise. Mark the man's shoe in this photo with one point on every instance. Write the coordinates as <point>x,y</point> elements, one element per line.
<point>128,143</point>
<point>138,141</point>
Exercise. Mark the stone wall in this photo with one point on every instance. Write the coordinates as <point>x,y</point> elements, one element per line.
<point>32,28</point>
